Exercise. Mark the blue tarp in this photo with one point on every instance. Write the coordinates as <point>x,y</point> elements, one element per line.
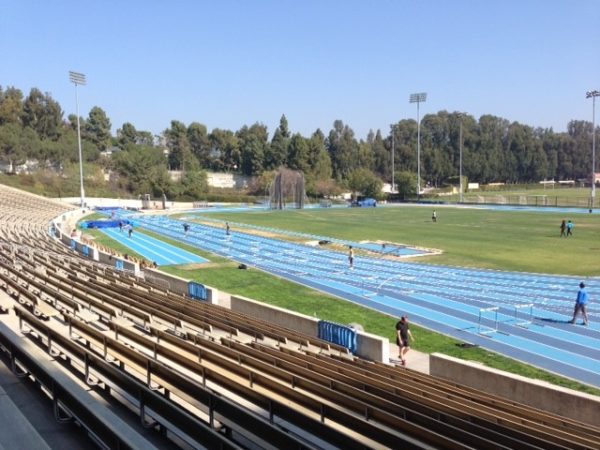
<point>197,291</point>
<point>106,223</point>
<point>338,334</point>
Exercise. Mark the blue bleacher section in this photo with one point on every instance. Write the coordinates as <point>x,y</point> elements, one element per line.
<point>197,291</point>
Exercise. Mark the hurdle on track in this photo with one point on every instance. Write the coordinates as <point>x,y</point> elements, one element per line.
<point>523,322</point>
<point>485,329</point>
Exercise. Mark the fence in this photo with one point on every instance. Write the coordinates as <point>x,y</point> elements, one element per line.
<point>534,200</point>
<point>338,334</point>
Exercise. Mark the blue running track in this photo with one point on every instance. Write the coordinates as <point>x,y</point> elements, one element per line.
<point>153,249</point>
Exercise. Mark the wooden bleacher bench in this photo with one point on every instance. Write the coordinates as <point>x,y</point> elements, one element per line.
<point>93,415</point>
<point>87,316</point>
<point>5,305</point>
<point>122,322</point>
<point>156,325</point>
<point>45,311</point>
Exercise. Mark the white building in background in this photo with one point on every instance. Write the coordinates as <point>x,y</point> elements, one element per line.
<point>228,180</point>
<point>219,179</point>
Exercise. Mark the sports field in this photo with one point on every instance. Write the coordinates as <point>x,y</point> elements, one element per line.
<point>505,240</point>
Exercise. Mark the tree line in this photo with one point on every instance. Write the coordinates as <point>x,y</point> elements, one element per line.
<point>494,149</point>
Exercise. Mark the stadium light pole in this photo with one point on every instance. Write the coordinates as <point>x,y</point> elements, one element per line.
<point>593,95</point>
<point>418,99</point>
<point>460,149</point>
<point>79,79</point>
<point>393,153</point>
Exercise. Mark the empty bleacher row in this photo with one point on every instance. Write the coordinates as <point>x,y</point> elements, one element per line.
<point>214,378</point>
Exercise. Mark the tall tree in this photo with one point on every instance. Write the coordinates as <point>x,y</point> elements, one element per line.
<point>298,154</point>
<point>224,150</point>
<point>11,105</point>
<point>318,157</point>
<point>43,114</point>
<point>142,168</point>
<point>97,128</point>
<point>10,150</point>
<point>126,135</point>
<point>180,153</point>
<point>381,155</point>
<point>253,143</point>
<point>277,153</point>
<point>342,147</point>
<point>199,143</point>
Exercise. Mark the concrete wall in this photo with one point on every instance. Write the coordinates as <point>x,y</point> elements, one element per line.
<point>369,346</point>
<point>538,394</point>
<point>178,285</point>
<point>174,284</point>
<point>285,318</point>
<point>96,201</point>
<point>373,347</point>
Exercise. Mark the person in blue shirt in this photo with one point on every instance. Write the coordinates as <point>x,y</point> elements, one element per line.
<point>570,226</point>
<point>581,304</point>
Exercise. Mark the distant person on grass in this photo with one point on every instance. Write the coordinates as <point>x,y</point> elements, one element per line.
<point>581,304</point>
<point>403,335</point>
<point>434,216</point>
<point>563,228</point>
<point>570,226</point>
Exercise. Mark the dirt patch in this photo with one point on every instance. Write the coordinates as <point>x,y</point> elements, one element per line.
<point>197,266</point>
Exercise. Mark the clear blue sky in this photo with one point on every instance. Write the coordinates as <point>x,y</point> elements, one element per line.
<point>233,62</point>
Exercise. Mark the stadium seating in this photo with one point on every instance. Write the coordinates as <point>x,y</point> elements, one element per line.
<point>202,374</point>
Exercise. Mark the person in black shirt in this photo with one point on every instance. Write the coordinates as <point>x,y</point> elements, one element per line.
<point>403,335</point>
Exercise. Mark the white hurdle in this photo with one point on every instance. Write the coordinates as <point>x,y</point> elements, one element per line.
<point>523,322</point>
<point>485,329</point>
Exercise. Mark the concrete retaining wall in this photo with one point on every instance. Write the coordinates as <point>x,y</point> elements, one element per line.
<point>369,346</point>
<point>538,394</point>
<point>283,317</point>
<point>178,285</point>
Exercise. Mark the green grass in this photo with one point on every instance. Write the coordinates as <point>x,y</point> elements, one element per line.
<point>519,241</point>
<point>503,240</point>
